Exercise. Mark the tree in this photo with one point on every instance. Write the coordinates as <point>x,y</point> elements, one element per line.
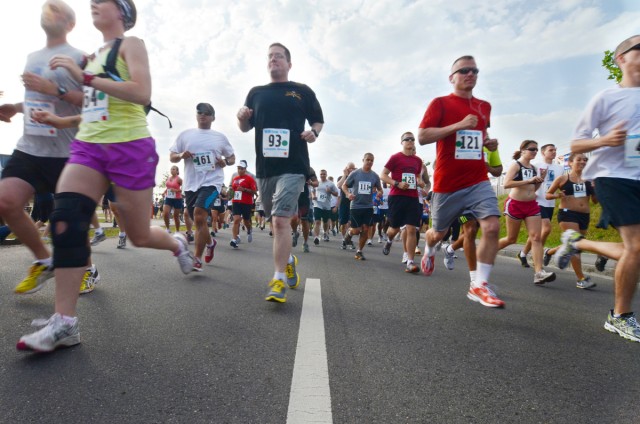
<point>610,64</point>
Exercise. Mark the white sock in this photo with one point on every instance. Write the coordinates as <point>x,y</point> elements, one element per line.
<point>122,234</point>
<point>472,275</point>
<point>430,250</point>
<point>280,276</point>
<point>450,250</point>
<point>46,262</point>
<point>482,273</point>
<point>99,231</point>
<point>522,255</point>
<point>291,260</point>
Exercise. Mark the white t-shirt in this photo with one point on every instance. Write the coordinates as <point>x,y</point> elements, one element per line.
<point>208,146</point>
<point>323,197</point>
<point>606,109</point>
<point>554,171</point>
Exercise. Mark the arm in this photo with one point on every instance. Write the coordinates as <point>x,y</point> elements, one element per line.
<point>615,137</point>
<point>425,178</point>
<point>433,134</point>
<point>310,136</point>
<point>550,194</point>
<point>56,121</point>
<point>496,171</point>
<point>228,161</point>
<point>244,118</point>
<point>8,111</point>
<point>42,85</point>
<point>511,173</point>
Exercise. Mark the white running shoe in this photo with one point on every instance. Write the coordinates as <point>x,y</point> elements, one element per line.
<point>55,332</point>
<point>405,258</point>
<point>185,258</point>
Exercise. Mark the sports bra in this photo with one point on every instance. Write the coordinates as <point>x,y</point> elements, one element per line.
<point>582,189</point>
<point>524,173</point>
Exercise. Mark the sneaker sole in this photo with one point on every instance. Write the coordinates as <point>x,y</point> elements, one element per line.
<point>482,302</point>
<point>586,288</point>
<point>547,279</point>
<point>275,299</point>
<point>66,342</point>
<point>611,328</point>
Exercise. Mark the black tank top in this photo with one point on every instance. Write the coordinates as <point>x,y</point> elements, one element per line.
<point>582,189</point>
<point>524,173</point>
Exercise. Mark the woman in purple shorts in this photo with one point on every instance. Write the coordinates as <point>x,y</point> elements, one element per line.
<point>574,194</point>
<point>112,145</point>
<point>521,205</point>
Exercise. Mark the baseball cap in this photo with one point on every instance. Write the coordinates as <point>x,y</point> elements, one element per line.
<point>242,164</point>
<point>206,108</point>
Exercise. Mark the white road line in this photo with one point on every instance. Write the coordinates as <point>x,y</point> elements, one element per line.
<point>310,398</point>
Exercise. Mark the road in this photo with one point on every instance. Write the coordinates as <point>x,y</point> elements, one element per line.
<point>161,347</point>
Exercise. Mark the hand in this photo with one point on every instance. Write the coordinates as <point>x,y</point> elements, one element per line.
<point>469,122</point>
<point>491,144</point>
<point>221,163</point>
<point>616,137</point>
<point>62,61</point>
<point>308,136</point>
<point>403,185</point>
<point>186,155</point>
<point>543,173</point>
<point>7,111</point>
<point>535,180</point>
<point>352,196</point>
<point>244,114</point>
<point>34,82</point>
<point>45,117</point>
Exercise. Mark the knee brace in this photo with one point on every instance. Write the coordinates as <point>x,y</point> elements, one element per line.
<point>70,222</point>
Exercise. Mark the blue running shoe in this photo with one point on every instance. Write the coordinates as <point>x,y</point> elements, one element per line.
<point>293,278</point>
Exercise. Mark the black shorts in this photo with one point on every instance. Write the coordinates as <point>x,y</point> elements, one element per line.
<point>344,212</point>
<point>620,200</point>
<point>177,204</point>
<point>219,209</point>
<point>203,198</point>
<point>322,214</point>
<point>42,207</point>
<point>466,217</point>
<point>42,173</point>
<point>380,216</point>
<point>546,212</point>
<point>360,217</point>
<point>404,210</point>
<point>580,218</point>
<point>242,209</point>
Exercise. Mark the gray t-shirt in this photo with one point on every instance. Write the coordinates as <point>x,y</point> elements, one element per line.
<point>323,196</point>
<point>40,140</point>
<point>362,185</point>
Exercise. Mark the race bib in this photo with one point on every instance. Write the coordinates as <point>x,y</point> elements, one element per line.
<point>632,150</point>
<point>469,145</point>
<point>364,187</point>
<point>275,143</point>
<point>95,106</point>
<point>409,179</point>
<point>237,195</point>
<point>204,161</point>
<point>527,174</point>
<point>217,202</point>
<point>32,127</point>
<point>579,190</point>
<point>171,194</point>
<point>322,197</point>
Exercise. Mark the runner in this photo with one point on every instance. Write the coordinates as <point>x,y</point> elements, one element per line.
<point>305,213</point>
<point>205,153</point>
<point>547,206</point>
<point>403,173</point>
<point>574,213</point>
<point>523,181</point>
<point>37,161</point>
<point>113,143</point>
<point>322,206</point>
<point>458,124</point>
<point>244,188</point>
<point>173,199</point>
<point>359,187</point>
<point>278,112</point>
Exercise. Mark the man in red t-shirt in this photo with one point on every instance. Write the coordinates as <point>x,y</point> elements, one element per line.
<point>244,187</point>
<point>458,124</point>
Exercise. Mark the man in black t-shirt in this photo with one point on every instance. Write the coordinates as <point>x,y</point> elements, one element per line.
<point>278,112</point>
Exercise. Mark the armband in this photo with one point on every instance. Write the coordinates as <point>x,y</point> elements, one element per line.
<point>87,78</point>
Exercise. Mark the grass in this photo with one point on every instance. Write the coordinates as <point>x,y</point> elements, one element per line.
<point>593,233</point>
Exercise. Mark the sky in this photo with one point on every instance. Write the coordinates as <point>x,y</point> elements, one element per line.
<point>374,65</point>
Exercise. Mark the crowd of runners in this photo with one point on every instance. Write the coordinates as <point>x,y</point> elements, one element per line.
<point>86,143</point>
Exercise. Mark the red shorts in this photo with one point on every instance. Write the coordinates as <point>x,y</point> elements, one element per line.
<point>516,209</point>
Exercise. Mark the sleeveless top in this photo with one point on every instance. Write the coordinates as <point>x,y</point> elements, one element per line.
<point>172,183</point>
<point>524,173</point>
<point>582,189</point>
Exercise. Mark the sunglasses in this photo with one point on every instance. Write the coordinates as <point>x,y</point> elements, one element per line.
<point>204,113</point>
<point>409,139</point>
<point>636,47</point>
<point>465,71</point>
<point>532,149</point>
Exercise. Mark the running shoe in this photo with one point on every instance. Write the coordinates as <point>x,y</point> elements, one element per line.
<point>567,249</point>
<point>387,248</point>
<point>543,277</point>
<point>405,257</point>
<point>55,332</point>
<point>316,241</point>
<point>249,236</point>
<point>38,275</point>
<point>379,239</point>
<point>546,259</point>
<point>4,232</point>
<point>449,259</point>
<point>418,251</point>
<point>428,264</point>
<point>344,245</point>
<point>277,291</point>
<point>122,242</point>
<point>209,251</point>
<point>185,258</point>
<point>359,256</point>
<point>326,237</point>
<point>333,231</point>
<point>585,283</point>
<point>601,261</point>
<point>197,265</point>
<point>233,243</point>
<point>485,296</point>
<point>294,240</point>
<point>305,248</point>
<point>411,268</point>
<point>98,238</point>
<point>523,260</point>
<point>89,280</point>
<point>293,278</point>
<point>213,234</point>
<point>369,242</point>
<point>190,237</point>
<point>626,326</point>
<point>351,245</point>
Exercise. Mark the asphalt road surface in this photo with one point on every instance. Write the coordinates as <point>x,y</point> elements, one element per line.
<point>358,342</point>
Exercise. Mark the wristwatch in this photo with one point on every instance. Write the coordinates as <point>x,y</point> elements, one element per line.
<point>396,184</point>
<point>313,130</point>
<point>61,92</point>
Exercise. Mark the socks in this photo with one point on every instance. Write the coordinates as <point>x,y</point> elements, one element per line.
<point>46,262</point>
<point>482,273</point>
<point>472,275</point>
<point>280,276</point>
